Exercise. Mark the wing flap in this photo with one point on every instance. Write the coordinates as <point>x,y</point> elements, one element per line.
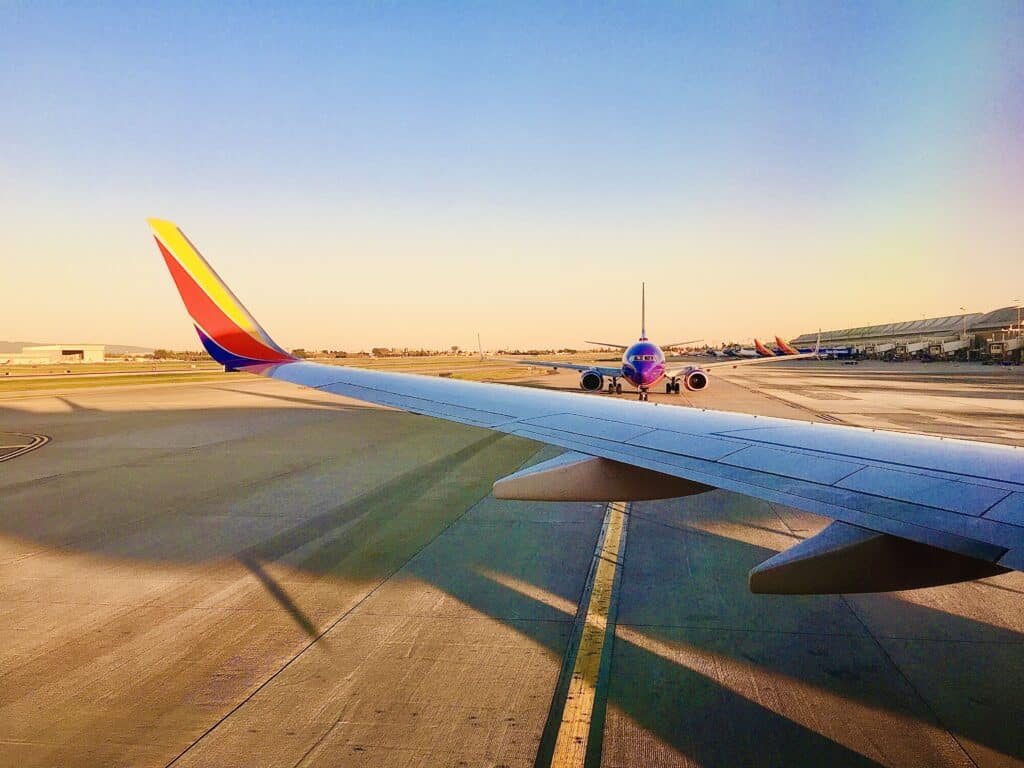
<point>1009,510</point>
<point>955,457</point>
<point>951,495</point>
<point>816,469</point>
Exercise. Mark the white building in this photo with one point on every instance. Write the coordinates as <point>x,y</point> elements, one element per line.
<point>50,354</point>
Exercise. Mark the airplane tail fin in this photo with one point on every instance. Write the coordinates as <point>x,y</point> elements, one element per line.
<point>643,311</point>
<point>787,349</point>
<point>762,349</point>
<point>230,334</point>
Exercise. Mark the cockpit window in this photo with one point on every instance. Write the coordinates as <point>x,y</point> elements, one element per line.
<point>638,358</point>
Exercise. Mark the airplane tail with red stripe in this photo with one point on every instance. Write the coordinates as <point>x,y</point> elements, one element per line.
<point>787,349</point>
<point>230,334</point>
<point>762,350</point>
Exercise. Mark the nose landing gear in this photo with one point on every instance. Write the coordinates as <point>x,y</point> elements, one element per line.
<point>643,394</point>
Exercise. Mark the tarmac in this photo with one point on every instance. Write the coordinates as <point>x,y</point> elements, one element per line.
<point>249,573</point>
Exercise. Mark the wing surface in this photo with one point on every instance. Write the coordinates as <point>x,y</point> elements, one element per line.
<point>960,496</point>
<point>680,343</point>
<point>571,366</point>
<point>608,344</point>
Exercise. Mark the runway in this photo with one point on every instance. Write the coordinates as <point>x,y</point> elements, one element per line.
<point>249,573</point>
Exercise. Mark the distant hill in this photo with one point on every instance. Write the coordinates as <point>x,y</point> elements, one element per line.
<point>114,349</point>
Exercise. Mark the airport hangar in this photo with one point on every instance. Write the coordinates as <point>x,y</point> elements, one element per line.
<point>994,335</point>
<point>47,354</point>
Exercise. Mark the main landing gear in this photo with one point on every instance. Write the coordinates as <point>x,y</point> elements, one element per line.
<point>614,387</point>
<point>672,387</point>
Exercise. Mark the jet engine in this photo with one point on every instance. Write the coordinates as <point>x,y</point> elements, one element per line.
<point>696,380</point>
<point>591,381</point>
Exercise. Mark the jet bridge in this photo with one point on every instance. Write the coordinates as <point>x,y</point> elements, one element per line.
<point>880,349</point>
<point>1002,346</point>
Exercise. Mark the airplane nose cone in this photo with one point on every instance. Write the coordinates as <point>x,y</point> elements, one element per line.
<point>648,373</point>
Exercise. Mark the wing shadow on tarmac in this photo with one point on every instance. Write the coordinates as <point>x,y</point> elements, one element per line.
<point>816,641</point>
<point>690,631</point>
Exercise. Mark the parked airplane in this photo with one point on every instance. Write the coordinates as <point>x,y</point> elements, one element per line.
<point>741,352</point>
<point>910,511</point>
<point>826,352</point>
<point>784,348</point>
<point>762,350</point>
<point>643,365</point>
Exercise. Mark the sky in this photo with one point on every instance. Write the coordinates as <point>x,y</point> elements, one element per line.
<point>412,174</point>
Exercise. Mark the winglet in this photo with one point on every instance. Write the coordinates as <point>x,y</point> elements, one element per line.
<point>230,334</point>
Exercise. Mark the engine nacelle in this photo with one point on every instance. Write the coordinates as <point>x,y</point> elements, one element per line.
<point>591,381</point>
<point>695,380</point>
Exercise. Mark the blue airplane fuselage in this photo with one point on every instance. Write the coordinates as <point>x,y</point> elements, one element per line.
<point>643,364</point>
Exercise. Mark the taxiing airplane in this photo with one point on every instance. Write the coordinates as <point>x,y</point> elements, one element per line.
<point>643,365</point>
<point>909,511</point>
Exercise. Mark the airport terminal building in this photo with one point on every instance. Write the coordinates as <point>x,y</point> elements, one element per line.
<point>994,335</point>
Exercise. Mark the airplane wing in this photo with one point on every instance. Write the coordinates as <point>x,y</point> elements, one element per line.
<point>909,510</point>
<point>617,372</point>
<point>608,344</point>
<point>680,343</point>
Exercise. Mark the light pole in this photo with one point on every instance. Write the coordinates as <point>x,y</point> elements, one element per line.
<point>963,335</point>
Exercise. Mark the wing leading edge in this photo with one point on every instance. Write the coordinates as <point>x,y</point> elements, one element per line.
<point>610,372</point>
<point>950,496</point>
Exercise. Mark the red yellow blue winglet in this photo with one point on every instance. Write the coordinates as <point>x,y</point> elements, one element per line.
<point>230,334</point>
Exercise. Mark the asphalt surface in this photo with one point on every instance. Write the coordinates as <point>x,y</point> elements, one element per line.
<point>256,574</point>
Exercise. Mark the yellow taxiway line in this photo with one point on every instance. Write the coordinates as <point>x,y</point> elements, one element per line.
<point>574,733</point>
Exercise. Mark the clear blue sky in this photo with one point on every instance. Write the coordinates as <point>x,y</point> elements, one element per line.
<point>411,173</point>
